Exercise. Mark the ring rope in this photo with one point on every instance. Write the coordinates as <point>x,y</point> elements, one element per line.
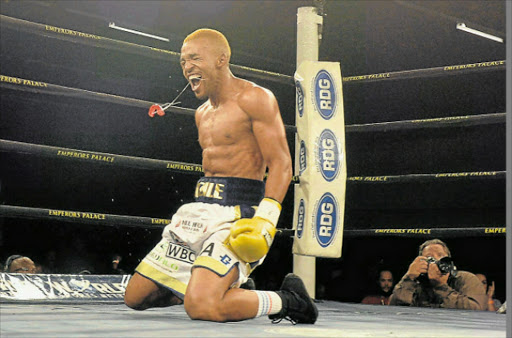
<point>123,46</point>
<point>429,72</point>
<point>440,122</point>
<point>40,87</point>
<point>491,230</point>
<point>147,163</point>
<point>159,223</point>
<point>97,41</point>
<point>97,157</point>
<point>83,217</point>
<point>161,54</point>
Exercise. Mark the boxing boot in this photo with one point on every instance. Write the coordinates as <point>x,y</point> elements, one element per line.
<point>298,307</point>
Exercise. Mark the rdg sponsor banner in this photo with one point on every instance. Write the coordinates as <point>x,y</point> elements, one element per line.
<point>82,288</point>
<point>319,160</point>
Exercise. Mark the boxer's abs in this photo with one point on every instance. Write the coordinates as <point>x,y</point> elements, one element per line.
<point>233,161</point>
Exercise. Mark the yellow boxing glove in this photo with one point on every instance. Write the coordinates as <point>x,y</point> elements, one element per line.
<point>251,238</point>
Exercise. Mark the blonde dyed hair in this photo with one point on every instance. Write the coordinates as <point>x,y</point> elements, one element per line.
<point>217,37</point>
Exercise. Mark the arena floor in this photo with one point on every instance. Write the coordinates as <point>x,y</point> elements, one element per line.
<point>335,320</point>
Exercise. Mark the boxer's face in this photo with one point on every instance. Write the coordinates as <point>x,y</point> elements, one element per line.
<point>198,58</point>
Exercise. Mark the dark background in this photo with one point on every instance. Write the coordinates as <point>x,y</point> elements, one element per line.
<point>366,37</point>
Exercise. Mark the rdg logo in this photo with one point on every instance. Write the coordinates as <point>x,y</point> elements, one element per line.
<point>328,155</point>
<point>302,157</point>
<point>325,94</point>
<point>300,218</point>
<point>299,97</point>
<point>326,219</point>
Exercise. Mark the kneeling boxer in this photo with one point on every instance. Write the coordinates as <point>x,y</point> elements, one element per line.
<point>212,244</point>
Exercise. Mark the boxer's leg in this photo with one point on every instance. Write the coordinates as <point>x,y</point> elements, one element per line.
<point>209,297</point>
<point>142,293</point>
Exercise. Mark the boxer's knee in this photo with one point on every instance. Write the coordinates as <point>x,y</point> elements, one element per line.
<point>205,298</point>
<point>138,292</point>
<point>133,300</point>
<point>135,305</point>
<point>196,306</point>
<point>199,307</point>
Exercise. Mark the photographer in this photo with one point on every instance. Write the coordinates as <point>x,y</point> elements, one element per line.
<point>433,281</point>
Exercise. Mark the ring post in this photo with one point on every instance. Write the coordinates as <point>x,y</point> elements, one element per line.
<point>308,36</point>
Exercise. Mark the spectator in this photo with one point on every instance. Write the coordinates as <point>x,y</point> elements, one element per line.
<point>115,262</point>
<point>430,282</point>
<point>78,259</point>
<point>49,264</point>
<point>19,264</point>
<point>39,268</point>
<point>332,286</point>
<point>493,304</point>
<point>320,291</point>
<point>385,288</point>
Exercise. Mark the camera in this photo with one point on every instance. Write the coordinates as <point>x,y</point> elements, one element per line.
<point>445,265</point>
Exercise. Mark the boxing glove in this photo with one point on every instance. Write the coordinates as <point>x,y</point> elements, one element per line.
<point>251,238</point>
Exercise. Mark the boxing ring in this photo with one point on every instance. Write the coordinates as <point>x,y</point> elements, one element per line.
<point>335,320</point>
<point>111,318</point>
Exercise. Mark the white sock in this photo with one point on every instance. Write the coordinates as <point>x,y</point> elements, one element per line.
<point>269,303</point>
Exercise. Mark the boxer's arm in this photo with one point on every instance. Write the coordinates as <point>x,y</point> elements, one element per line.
<point>199,114</point>
<point>268,128</point>
<point>251,238</point>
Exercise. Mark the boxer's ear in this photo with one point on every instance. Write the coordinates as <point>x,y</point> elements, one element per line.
<point>222,60</point>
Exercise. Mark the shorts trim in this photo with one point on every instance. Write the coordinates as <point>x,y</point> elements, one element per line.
<point>161,278</point>
<point>213,265</point>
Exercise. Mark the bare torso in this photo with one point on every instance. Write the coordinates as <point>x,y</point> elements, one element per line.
<point>229,146</point>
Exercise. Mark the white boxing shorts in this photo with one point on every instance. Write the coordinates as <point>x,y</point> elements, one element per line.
<point>198,232</point>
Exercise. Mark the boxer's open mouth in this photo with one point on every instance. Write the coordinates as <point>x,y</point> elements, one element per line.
<point>195,81</point>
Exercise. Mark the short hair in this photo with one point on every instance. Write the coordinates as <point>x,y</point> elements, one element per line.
<point>9,261</point>
<point>212,34</point>
<point>434,241</point>
<point>382,270</point>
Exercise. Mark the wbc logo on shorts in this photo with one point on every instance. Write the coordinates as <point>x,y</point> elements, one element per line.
<point>302,157</point>
<point>325,94</point>
<point>328,155</point>
<point>299,97</point>
<point>326,219</point>
<point>300,218</point>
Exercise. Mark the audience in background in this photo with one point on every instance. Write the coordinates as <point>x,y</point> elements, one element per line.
<point>19,264</point>
<point>39,268</point>
<point>385,289</point>
<point>319,290</point>
<point>49,263</point>
<point>493,304</point>
<point>78,258</point>
<point>433,281</point>
<point>114,267</point>
<point>333,291</point>
<point>423,284</point>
